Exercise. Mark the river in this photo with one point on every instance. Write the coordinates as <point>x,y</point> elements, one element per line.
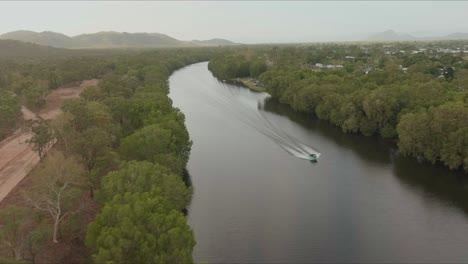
<point>257,200</point>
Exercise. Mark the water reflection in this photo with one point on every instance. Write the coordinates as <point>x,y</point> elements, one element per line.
<point>186,177</point>
<point>254,202</point>
<point>435,181</point>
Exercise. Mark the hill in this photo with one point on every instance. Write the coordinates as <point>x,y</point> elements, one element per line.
<point>457,35</point>
<point>46,38</point>
<point>391,35</point>
<point>213,42</point>
<point>116,39</point>
<point>108,39</point>
<point>13,49</point>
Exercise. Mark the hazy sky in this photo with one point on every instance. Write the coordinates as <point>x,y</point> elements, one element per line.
<point>246,22</point>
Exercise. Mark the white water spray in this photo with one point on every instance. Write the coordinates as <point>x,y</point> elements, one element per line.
<point>228,100</point>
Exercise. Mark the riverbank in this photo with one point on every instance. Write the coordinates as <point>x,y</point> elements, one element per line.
<point>247,83</point>
<point>97,140</point>
<point>256,191</point>
<point>428,123</point>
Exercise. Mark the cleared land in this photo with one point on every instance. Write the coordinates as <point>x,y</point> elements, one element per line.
<point>16,156</point>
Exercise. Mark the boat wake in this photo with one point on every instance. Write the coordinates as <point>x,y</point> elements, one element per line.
<point>250,114</point>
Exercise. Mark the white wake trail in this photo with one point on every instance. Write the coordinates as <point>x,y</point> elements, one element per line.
<point>228,100</point>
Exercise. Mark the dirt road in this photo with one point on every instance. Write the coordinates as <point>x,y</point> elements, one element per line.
<point>16,156</point>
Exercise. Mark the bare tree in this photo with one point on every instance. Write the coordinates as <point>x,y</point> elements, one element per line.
<point>56,188</point>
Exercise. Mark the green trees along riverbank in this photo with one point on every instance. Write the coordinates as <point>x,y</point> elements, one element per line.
<point>127,146</point>
<point>142,148</point>
<point>130,148</point>
<point>414,93</point>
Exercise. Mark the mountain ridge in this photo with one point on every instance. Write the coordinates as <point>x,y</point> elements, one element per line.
<point>391,35</point>
<point>12,49</point>
<point>108,39</point>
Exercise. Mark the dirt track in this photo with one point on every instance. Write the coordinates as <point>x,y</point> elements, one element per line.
<point>16,156</point>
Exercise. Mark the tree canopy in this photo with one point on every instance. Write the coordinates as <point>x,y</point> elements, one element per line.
<point>409,92</point>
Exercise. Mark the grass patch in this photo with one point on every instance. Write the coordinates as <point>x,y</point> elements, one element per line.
<point>245,82</point>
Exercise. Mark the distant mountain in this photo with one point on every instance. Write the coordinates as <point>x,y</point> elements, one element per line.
<point>46,38</point>
<point>457,35</point>
<point>391,35</point>
<point>108,39</point>
<point>116,39</point>
<point>213,42</point>
<point>13,49</point>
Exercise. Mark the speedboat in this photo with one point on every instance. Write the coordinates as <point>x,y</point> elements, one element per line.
<point>312,157</point>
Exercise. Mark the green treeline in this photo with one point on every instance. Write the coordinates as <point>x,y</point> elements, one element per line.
<point>236,66</point>
<point>143,195</point>
<point>9,111</point>
<point>122,144</point>
<point>27,82</point>
<point>415,93</point>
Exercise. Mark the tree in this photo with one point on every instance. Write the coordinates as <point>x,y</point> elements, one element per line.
<point>35,242</point>
<point>414,135</point>
<point>63,130</point>
<point>140,228</point>
<point>244,69</point>
<point>12,233</point>
<point>112,84</point>
<point>91,144</point>
<point>382,107</point>
<point>92,94</point>
<point>352,115</point>
<point>90,134</point>
<point>89,114</point>
<point>175,122</point>
<point>9,110</point>
<point>156,144</point>
<point>21,233</point>
<point>448,123</point>
<point>42,138</point>
<point>448,73</point>
<point>367,127</point>
<point>55,188</point>
<point>53,80</point>
<point>454,151</point>
<point>131,113</point>
<point>328,109</point>
<point>35,96</point>
<point>142,176</point>
<point>257,68</point>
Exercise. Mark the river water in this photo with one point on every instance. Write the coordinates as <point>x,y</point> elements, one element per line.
<point>256,199</point>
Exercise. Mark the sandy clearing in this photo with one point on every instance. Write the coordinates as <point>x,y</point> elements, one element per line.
<point>28,114</point>
<point>13,170</point>
<point>16,156</point>
<point>54,100</point>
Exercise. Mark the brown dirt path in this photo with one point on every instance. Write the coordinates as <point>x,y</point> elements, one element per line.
<point>54,100</point>
<point>16,156</point>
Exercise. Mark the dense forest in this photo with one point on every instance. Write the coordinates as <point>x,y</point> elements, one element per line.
<point>415,93</point>
<point>113,180</point>
<point>28,72</point>
<point>112,185</point>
